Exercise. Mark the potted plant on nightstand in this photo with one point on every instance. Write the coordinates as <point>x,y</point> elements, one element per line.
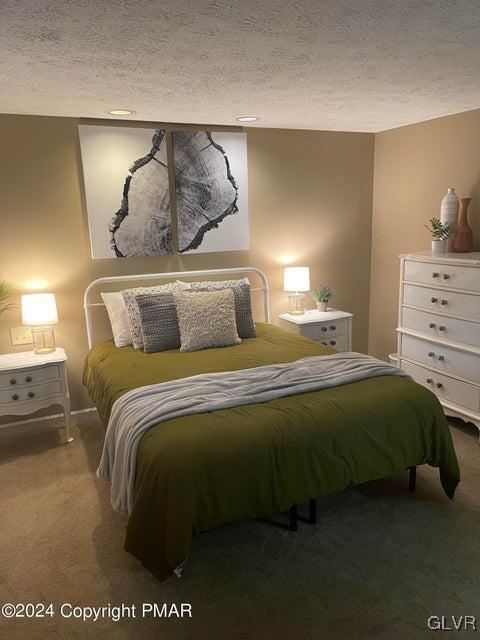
<point>6,292</point>
<point>440,233</point>
<point>322,296</point>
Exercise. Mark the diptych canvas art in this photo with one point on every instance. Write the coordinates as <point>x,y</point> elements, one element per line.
<point>126,176</point>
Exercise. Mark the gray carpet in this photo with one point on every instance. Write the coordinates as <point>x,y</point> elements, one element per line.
<point>377,565</point>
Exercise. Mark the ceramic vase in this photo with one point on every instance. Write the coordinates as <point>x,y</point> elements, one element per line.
<point>463,238</point>
<point>322,306</point>
<point>438,246</point>
<point>449,211</point>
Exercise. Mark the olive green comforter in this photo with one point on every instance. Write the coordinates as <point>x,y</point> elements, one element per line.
<point>199,472</point>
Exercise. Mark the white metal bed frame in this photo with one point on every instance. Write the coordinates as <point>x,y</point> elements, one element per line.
<point>173,275</point>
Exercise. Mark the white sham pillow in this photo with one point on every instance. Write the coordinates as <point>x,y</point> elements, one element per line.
<point>118,316</point>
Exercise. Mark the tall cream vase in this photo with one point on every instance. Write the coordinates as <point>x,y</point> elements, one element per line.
<point>449,212</point>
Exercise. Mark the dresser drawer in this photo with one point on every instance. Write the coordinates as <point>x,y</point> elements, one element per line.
<point>321,330</point>
<point>441,326</point>
<point>28,376</point>
<point>456,277</point>
<point>29,393</point>
<point>461,393</point>
<point>459,304</point>
<point>340,343</point>
<point>465,365</point>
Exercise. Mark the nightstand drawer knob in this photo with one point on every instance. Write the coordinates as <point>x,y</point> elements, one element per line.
<point>429,380</point>
<point>446,276</point>
<point>430,354</point>
<point>444,302</point>
<point>333,327</point>
<point>432,325</point>
<point>333,342</point>
<point>28,379</point>
<point>439,385</point>
<point>13,381</point>
<point>15,396</point>
<point>441,358</point>
<point>324,328</point>
<point>434,300</point>
<point>324,343</point>
<point>31,394</point>
<point>441,327</point>
<point>435,274</point>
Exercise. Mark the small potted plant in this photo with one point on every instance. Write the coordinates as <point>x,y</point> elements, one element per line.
<point>6,292</point>
<point>322,296</point>
<point>440,234</point>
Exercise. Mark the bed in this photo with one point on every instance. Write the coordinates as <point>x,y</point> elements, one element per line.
<point>195,473</point>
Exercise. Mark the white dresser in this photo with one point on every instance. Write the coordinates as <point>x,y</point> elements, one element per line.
<point>333,328</point>
<point>439,328</point>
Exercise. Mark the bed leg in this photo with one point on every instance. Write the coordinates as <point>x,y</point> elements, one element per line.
<point>293,518</point>
<point>412,479</point>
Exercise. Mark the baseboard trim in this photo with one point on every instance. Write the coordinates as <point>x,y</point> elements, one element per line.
<point>78,416</point>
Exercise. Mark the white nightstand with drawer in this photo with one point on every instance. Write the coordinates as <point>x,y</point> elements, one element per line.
<point>332,328</point>
<point>30,382</point>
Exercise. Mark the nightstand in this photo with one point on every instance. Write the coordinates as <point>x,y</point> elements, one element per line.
<point>30,382</point>
<point>332,328</point>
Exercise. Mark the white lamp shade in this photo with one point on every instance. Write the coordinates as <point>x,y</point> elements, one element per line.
<point>296,279</point>
<point>39,309</point>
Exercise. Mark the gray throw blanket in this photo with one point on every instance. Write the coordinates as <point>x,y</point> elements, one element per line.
<point>140,409</point>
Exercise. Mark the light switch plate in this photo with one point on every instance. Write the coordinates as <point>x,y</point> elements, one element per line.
<point>20,335</point>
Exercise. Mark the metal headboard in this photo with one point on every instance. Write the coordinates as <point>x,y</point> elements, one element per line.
<point>88,305</point>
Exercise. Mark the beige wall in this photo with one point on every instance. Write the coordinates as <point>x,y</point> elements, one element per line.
<point>414,166</point>
<point>310,199</point>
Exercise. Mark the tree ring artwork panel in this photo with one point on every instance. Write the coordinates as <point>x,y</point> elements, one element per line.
<point>127,191</point>
<point>211,191</point>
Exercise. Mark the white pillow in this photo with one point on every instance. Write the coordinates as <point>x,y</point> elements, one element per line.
<point>117,314</point>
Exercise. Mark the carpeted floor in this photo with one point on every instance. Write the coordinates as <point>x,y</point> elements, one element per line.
<point>377,565</point>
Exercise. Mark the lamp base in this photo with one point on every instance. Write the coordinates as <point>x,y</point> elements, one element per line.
<point>296,304</point>
<point>43,340</point>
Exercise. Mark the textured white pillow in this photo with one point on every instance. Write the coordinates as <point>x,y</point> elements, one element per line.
<point>206,319</point>
<point>117,314</point>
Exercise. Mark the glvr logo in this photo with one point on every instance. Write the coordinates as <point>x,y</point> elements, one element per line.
<point>452,623</point>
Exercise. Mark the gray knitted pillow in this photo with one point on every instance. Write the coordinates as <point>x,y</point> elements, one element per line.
<point>243,302</point>
<point>132,307</point>
<point>158,318</point>
<point>206,319</point>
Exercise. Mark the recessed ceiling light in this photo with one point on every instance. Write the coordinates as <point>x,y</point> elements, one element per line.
<point>120,112</point>
<point>248,119</point>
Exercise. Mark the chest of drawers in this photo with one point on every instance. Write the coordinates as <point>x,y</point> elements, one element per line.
<point>439,328</point>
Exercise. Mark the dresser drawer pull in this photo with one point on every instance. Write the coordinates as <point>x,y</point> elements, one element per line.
<point>431,354</point>
<point>429,380</point>
<point>435,274</point>
<point>434,300</point>
<point>432,325</point>
<point>444,302</point>
<point>324,328</point>
<point>333,342</point>
<point>13,381</point>
<point>441,358</point>
<point>15,396</point>
<point>441,327</point>
<point>446,276</point>
<point>28,379</point>
<point>439,385</point>
<point>333,327</point>
<point>31,394</point>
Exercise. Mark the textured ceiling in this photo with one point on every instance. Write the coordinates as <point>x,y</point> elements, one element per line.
<point>358,65</point>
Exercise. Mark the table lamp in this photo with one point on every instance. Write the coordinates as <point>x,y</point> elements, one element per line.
<point>296,280</point>
<point>39,310</point>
